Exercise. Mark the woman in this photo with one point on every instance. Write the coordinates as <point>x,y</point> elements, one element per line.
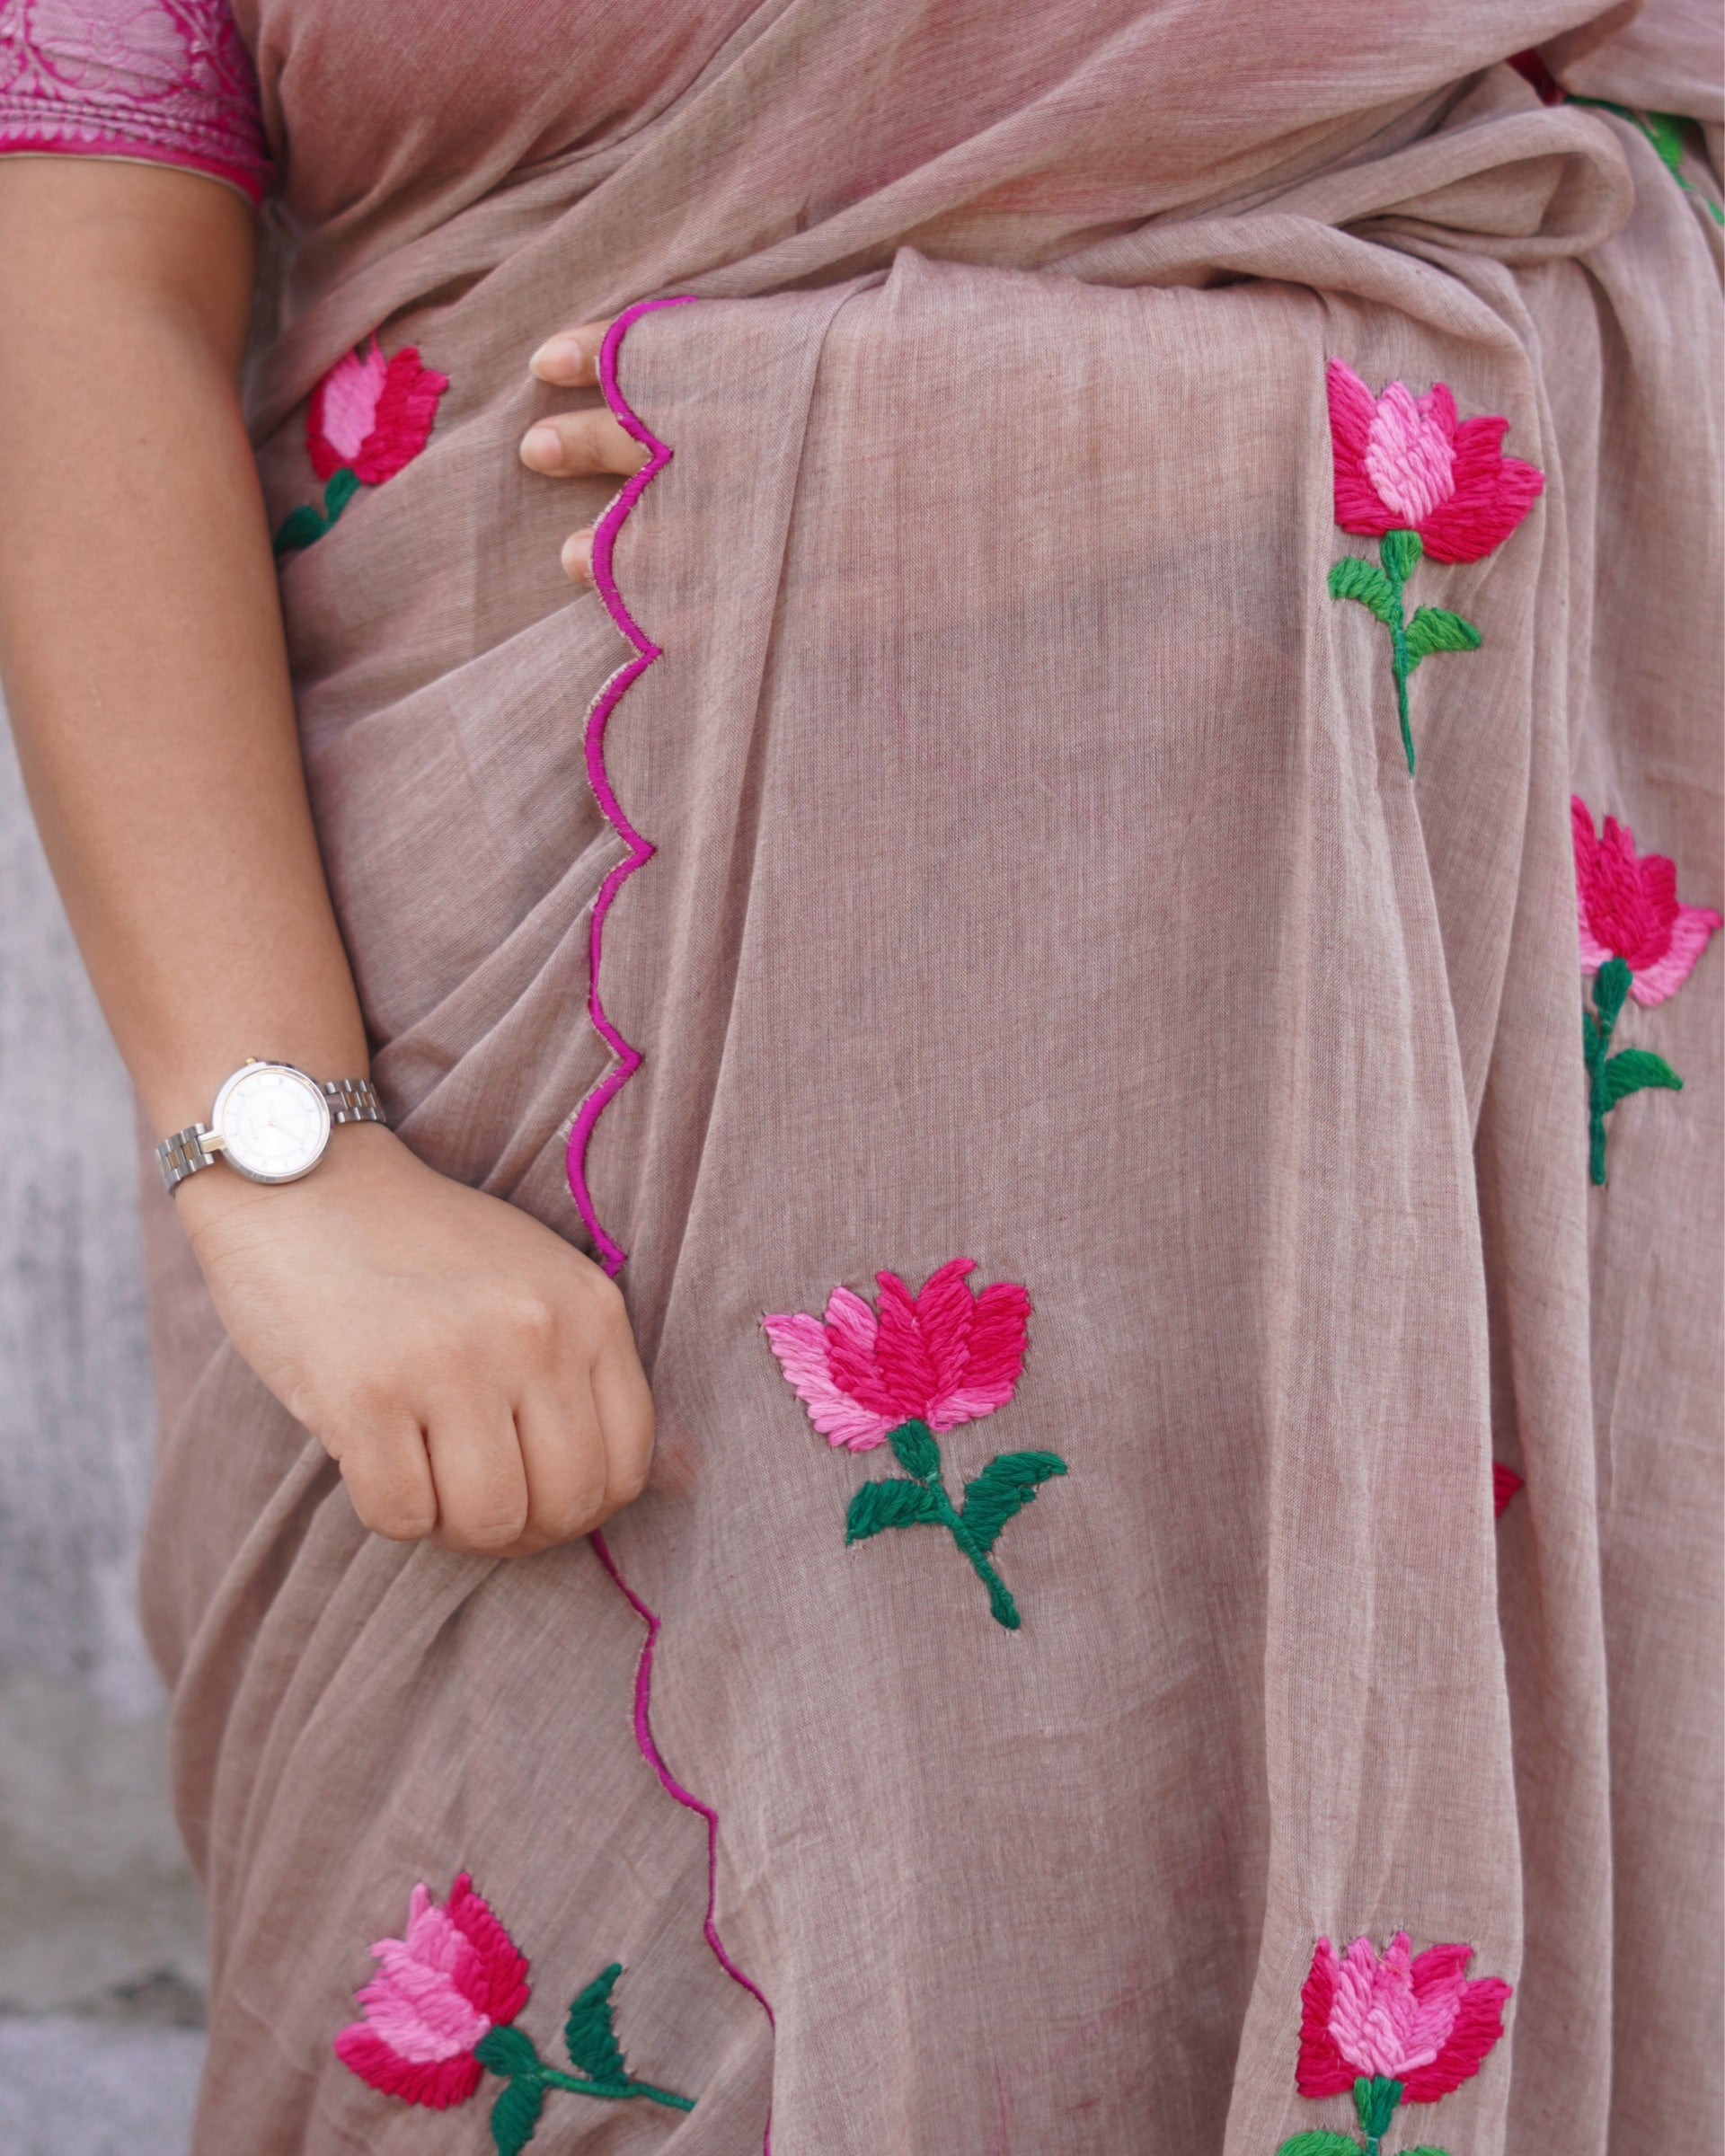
<point>1083,995</point>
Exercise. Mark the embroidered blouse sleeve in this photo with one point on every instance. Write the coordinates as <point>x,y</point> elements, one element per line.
<point>166,81</point>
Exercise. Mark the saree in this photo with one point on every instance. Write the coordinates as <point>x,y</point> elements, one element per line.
<point>1042,985</point>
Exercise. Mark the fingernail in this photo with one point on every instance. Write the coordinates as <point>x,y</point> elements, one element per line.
<point>578,557</point>
<point>542,449</point>
<point>563,360</point>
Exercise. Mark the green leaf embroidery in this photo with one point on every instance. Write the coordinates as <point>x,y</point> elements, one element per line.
<point>914,1445</point>
<point>506,2051</point>
<point>1398,552</point>
<point>1426,2149</point>
<point>515,2114</point>
<point>299,528</point>
<point>891,1503</point>
<point>1002,1490</point>
<point>1320,2143</point>
<point>1353,578</point>
<point>588,2036</point>
<point>1631,1069</point>
<point>1435,629</point>
<point>1664,130</point>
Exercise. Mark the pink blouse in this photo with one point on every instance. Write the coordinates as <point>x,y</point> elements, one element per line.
<point>168,81</point>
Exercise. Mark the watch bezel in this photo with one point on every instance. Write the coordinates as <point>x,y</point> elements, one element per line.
<point>218,1128</point>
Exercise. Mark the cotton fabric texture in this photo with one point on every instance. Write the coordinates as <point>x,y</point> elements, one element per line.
<point>1037,879</point>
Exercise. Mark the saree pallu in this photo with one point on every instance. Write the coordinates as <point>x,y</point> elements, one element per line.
<point>1000,845</point>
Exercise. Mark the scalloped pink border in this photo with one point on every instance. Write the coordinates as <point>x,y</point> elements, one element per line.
<point>672,1787</point>
<point>612,1255</point>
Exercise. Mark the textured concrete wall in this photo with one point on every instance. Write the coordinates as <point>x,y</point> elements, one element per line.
<point>101,1934</point>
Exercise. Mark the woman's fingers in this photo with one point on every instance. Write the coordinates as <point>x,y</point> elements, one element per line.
<point>481,1480</point>
<point>570,360</point>
<point>624,1403</point>
<point>563,1456</point>
<point>575,444</point>
<point>389,1478</point>
<point>576,556</point>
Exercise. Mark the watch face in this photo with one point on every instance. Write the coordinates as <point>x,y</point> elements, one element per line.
<point>275,1122</point>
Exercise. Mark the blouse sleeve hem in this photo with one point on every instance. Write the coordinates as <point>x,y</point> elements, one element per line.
<point>17,140</point>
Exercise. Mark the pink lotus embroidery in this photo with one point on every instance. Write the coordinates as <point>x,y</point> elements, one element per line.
<point>368,418</point>
<point>439,1992</point>
<point>1413,475</point>
<point>1404,2029</point>
<point>896,1374</point>
<point>1637,941</point>
<point>441,2010</point>
<point>1627,909</point>
<point>1505,1483</point>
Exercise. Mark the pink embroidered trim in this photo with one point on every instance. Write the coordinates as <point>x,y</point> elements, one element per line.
<point>611,1254</point>
<point>651,1752</point>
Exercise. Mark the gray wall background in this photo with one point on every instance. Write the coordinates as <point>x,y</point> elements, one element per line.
<point>101,1959</point>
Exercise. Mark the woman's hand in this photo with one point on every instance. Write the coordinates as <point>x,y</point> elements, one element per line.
<point>578,445</point>
<point>474,1377</point>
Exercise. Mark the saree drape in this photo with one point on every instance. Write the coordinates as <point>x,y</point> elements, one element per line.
<point>1036,878</point>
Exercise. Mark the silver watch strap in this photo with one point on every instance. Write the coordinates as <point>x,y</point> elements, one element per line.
<point>179,1157</point>
<point>183,1154</point>
<point>353,1101</point>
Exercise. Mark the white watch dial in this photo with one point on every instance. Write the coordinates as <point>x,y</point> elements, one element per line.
<point>274,1122</point>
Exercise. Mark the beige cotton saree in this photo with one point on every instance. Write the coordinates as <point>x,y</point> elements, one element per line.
<point>1099,1151</point>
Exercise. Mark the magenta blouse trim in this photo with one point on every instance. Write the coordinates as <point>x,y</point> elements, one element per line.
<point>166,82</point>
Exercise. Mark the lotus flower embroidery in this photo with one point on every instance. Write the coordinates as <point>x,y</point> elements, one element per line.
<point>1412,475</point>
<point>368,417</point>
<point>441,2010</point>
<point>1406,2029</point>
<point>898,1373</point>
<point>1636,942</point>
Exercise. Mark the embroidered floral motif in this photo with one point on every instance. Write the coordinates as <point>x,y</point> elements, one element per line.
<point>921,1364</point>
<point>1410,475</point>
<point>442,2007</point>
<point>368,418</point>
<point>1636,940</point>
<point>1505,1483</point>
<point>1405,2029</point>
<point>1664,130</point>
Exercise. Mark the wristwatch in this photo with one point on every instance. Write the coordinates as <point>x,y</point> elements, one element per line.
<point>271,1122</point>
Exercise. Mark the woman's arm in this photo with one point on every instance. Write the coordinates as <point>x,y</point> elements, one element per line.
<point>472,1374</point>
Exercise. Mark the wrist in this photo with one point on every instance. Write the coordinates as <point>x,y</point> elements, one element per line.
<point>360,1157</point>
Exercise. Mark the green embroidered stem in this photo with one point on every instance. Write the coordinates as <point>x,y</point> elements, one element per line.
<point>1000,1600</point>
<point>1375,2098</point>
<point>615,2091</point>
<point>1007,1484</point>
<point>1398,563</point>
<point>302,526</point>
<point>1381,591</point>
<point>592,2045</point>
<point>1613,1078</point>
